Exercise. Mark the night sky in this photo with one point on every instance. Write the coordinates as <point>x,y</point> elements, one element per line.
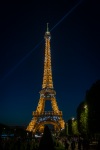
<point>75,50</point>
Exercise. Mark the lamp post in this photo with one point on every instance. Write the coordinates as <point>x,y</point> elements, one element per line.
<point>86,118</point>
<point>73,125</point>
<point>4,130</point>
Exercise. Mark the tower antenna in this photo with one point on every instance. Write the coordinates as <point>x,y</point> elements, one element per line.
<point>47,27</point>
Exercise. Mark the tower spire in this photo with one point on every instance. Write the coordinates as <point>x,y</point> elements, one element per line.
<point>47,27</point>
<point>47,76</point>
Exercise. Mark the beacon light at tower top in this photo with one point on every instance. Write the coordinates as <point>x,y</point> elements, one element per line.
<point>40,116</point>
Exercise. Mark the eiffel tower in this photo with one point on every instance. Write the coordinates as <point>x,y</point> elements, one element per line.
<point>40,116</point>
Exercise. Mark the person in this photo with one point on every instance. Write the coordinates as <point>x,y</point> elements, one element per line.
<point>72,145</point>
<point>66,144</point>
<point>98,145</point>
<point>28,146</point>
<point>85,144</point>
<point>79,143</point>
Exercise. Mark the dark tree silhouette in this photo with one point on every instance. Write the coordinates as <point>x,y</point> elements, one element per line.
<point>46,142</point>
<point>93,100</point>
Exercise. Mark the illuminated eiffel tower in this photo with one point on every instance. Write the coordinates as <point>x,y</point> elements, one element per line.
<point>41,117</point>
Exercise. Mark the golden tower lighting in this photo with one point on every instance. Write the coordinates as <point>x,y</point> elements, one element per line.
<point>41,117</point>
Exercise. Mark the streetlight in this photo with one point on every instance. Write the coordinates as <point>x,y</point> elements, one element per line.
<point>85,106</point>
<point>73,118</point>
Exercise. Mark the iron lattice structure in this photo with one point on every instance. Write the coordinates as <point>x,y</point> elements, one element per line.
<point>41,117</point>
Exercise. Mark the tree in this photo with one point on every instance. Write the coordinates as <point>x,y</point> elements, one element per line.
<point>82,118</point>
<point>74,127</point>
<point>93,100</point>
<point>88,112</point>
